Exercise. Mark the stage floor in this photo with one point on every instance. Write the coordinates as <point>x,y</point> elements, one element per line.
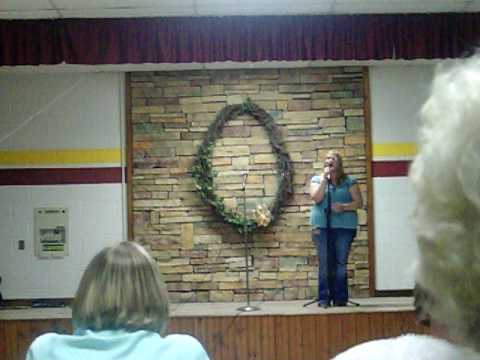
<point>377,304</point>
<point>366,305</point>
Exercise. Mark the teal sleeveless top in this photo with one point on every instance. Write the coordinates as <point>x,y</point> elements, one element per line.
<point>340,194</point>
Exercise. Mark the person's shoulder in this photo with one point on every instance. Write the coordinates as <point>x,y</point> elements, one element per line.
<point>182,339</point>
<point>350,180</point>
<point>45,340</point>
<point>316,179</point>
<point>406,347</point>
<point>427,347</point>
<point>371,350</point>
<point>187,342</point>
<point>42,345</point>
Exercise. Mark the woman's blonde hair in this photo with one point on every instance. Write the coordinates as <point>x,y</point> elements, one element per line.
<point>121,288</point>
<point>446,175</point>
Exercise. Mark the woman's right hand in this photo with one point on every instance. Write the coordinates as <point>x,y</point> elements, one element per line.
<point>326,172</point>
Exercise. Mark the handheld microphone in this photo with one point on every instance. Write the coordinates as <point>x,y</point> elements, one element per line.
<point>329,175</point>
<point>245,176</point>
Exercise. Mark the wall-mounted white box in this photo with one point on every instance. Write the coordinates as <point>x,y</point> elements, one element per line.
<point>51,232</point>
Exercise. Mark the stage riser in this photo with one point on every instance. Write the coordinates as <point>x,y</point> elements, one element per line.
<point>269,337</point>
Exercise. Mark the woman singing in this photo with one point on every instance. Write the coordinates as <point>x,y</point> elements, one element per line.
<point>334,222</point>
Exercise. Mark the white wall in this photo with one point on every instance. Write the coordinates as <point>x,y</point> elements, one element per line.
<point>51,111</point>
<point>395,246</point>
<point>397,94</point>
<point>82,111</point>
<point>95,214</point>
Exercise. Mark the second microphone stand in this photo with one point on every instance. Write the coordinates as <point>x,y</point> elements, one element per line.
<point>248,307</point>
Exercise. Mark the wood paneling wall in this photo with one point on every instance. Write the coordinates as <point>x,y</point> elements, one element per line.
<point>289,337</point>
<point>16,335</point>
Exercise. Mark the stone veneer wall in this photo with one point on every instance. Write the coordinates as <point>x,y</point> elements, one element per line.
<point>203,259</point>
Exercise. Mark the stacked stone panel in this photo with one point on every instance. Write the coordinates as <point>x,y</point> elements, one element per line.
<point>202,258</point>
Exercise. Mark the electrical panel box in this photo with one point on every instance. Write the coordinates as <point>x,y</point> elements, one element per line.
<point>51,232</point>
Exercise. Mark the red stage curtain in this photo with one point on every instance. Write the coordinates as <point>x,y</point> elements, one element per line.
<point>29,42</point>
<point>237,38</point>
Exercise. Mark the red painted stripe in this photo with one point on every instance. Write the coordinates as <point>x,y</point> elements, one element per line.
<point>109,175</point>
<point>61,176</point>
<point>390,168</point>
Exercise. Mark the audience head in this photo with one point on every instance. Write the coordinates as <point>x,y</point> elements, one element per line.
<point>446,175</point>
<point>121,288</point>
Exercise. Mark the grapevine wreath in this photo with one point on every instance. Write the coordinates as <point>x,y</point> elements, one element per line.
<point>204,173</point>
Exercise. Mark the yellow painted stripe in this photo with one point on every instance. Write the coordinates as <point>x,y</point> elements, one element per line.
<point>60,156</point>
<point>394,149</point>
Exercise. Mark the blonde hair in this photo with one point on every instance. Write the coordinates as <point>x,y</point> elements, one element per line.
<point>446,175</point>
<point>121,288</point>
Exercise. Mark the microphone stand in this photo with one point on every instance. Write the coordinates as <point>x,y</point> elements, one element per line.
<point>248,307</point>
<point>327,229</point>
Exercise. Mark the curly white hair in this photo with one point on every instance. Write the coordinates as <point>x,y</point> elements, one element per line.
<point>446,175</point>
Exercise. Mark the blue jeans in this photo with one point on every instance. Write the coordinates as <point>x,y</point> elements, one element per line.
<point>333,247</point>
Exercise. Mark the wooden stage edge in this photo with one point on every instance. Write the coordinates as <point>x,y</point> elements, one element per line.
<point>280,330</point>
<point>294,307</point>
